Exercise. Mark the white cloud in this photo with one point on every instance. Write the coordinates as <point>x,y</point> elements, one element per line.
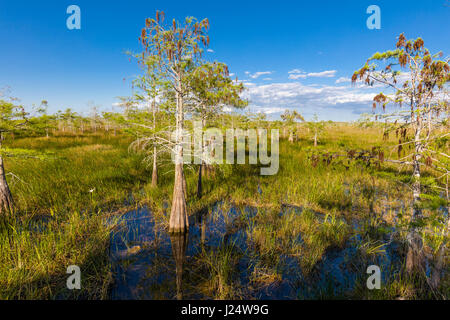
<point>295,71</point>
<point>298,74</point>
<point>210,50</point>
<point>267,79</point>
<point>246,82</point>
<point>295,92</point>
<point>267,110</point>
<point>256,75</point>
<point>331,101</point>
<point>323,74</point>
<point>343,79</point>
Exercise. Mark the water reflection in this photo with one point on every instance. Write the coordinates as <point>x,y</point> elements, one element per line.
<point>203,228</point>
<point>148,263</point>
<point>179,245</point>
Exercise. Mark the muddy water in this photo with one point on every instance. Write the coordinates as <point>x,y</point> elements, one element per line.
<point>150,264</point>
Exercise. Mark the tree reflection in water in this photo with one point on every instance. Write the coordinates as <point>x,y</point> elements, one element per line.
<point>179,244</point>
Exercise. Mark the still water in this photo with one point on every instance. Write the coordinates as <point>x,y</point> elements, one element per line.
<point>148,263</point>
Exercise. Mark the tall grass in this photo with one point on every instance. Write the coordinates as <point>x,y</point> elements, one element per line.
<point>62,202</point>
<point>58,221</point>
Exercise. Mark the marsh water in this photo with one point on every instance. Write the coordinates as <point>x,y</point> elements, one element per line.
<point>148,263</point>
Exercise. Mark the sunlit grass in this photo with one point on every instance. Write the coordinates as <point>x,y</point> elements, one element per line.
<point>303,212</point>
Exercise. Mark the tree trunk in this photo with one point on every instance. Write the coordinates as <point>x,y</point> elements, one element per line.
<point>415,256</point>
<point>210,169</point>
<point>291,136</point>
<point>6,200</point>
<point>155,169</point>
<point>179,222</point>
<point>184,185</point>
<point>202,165</point>
<point>448,202</point>
<point>199,182</point>
<point>315,139</point>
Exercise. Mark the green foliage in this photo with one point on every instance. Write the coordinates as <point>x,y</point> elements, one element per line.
<point>213,89</point>
<point>315,125</point>
<point>12,117</point>
<point>41,122</point>
<point>290,117</point>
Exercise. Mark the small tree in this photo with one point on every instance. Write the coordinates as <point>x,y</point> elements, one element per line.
<point>290,118</point>
<point>316,127</point>
<point>365,121</point>
<point>42,122</point>
<point>94,115</point>
<point>212,89</point>
<point>151,87</point>
<point>419,83</point>
<point>12,119</point>
<point>176,50</point>
<point>66,119</point>
<point>260,119</point>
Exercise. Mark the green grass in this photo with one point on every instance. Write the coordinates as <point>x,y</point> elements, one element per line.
<point>81,164</point>
<point>33,264</point>
<point>53,195</point>
<point>58,221</point>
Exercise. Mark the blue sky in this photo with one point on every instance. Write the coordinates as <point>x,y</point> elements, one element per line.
<point>291,54</point>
